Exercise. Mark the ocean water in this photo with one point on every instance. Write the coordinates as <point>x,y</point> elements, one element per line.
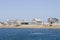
<point>29,34</point>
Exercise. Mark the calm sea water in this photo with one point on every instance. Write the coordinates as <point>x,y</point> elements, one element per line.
<point>29,34</point>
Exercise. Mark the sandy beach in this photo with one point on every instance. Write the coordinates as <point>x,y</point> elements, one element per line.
<point>30,26</point>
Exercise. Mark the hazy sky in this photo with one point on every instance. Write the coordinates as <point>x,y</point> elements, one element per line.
<point>29,9</point>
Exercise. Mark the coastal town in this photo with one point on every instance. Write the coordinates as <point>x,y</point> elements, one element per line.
<point>35,23</point>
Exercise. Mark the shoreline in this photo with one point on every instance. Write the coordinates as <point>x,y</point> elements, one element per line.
<point>30,26</point>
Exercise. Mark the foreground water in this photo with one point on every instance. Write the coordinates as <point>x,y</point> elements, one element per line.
<point>29,34</point>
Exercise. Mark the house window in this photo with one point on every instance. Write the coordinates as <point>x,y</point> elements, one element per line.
<point>25,23</point>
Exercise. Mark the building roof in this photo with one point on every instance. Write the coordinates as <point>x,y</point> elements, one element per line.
<point>37,19</point>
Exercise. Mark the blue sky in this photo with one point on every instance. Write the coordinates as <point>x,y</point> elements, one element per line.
<point>29,9</point>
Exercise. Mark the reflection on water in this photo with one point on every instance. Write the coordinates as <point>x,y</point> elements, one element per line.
<point>29,34</point>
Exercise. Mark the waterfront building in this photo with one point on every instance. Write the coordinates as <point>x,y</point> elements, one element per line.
<point>37,21</point>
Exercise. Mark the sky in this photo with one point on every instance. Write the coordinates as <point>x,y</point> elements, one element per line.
<point>29,9</point>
